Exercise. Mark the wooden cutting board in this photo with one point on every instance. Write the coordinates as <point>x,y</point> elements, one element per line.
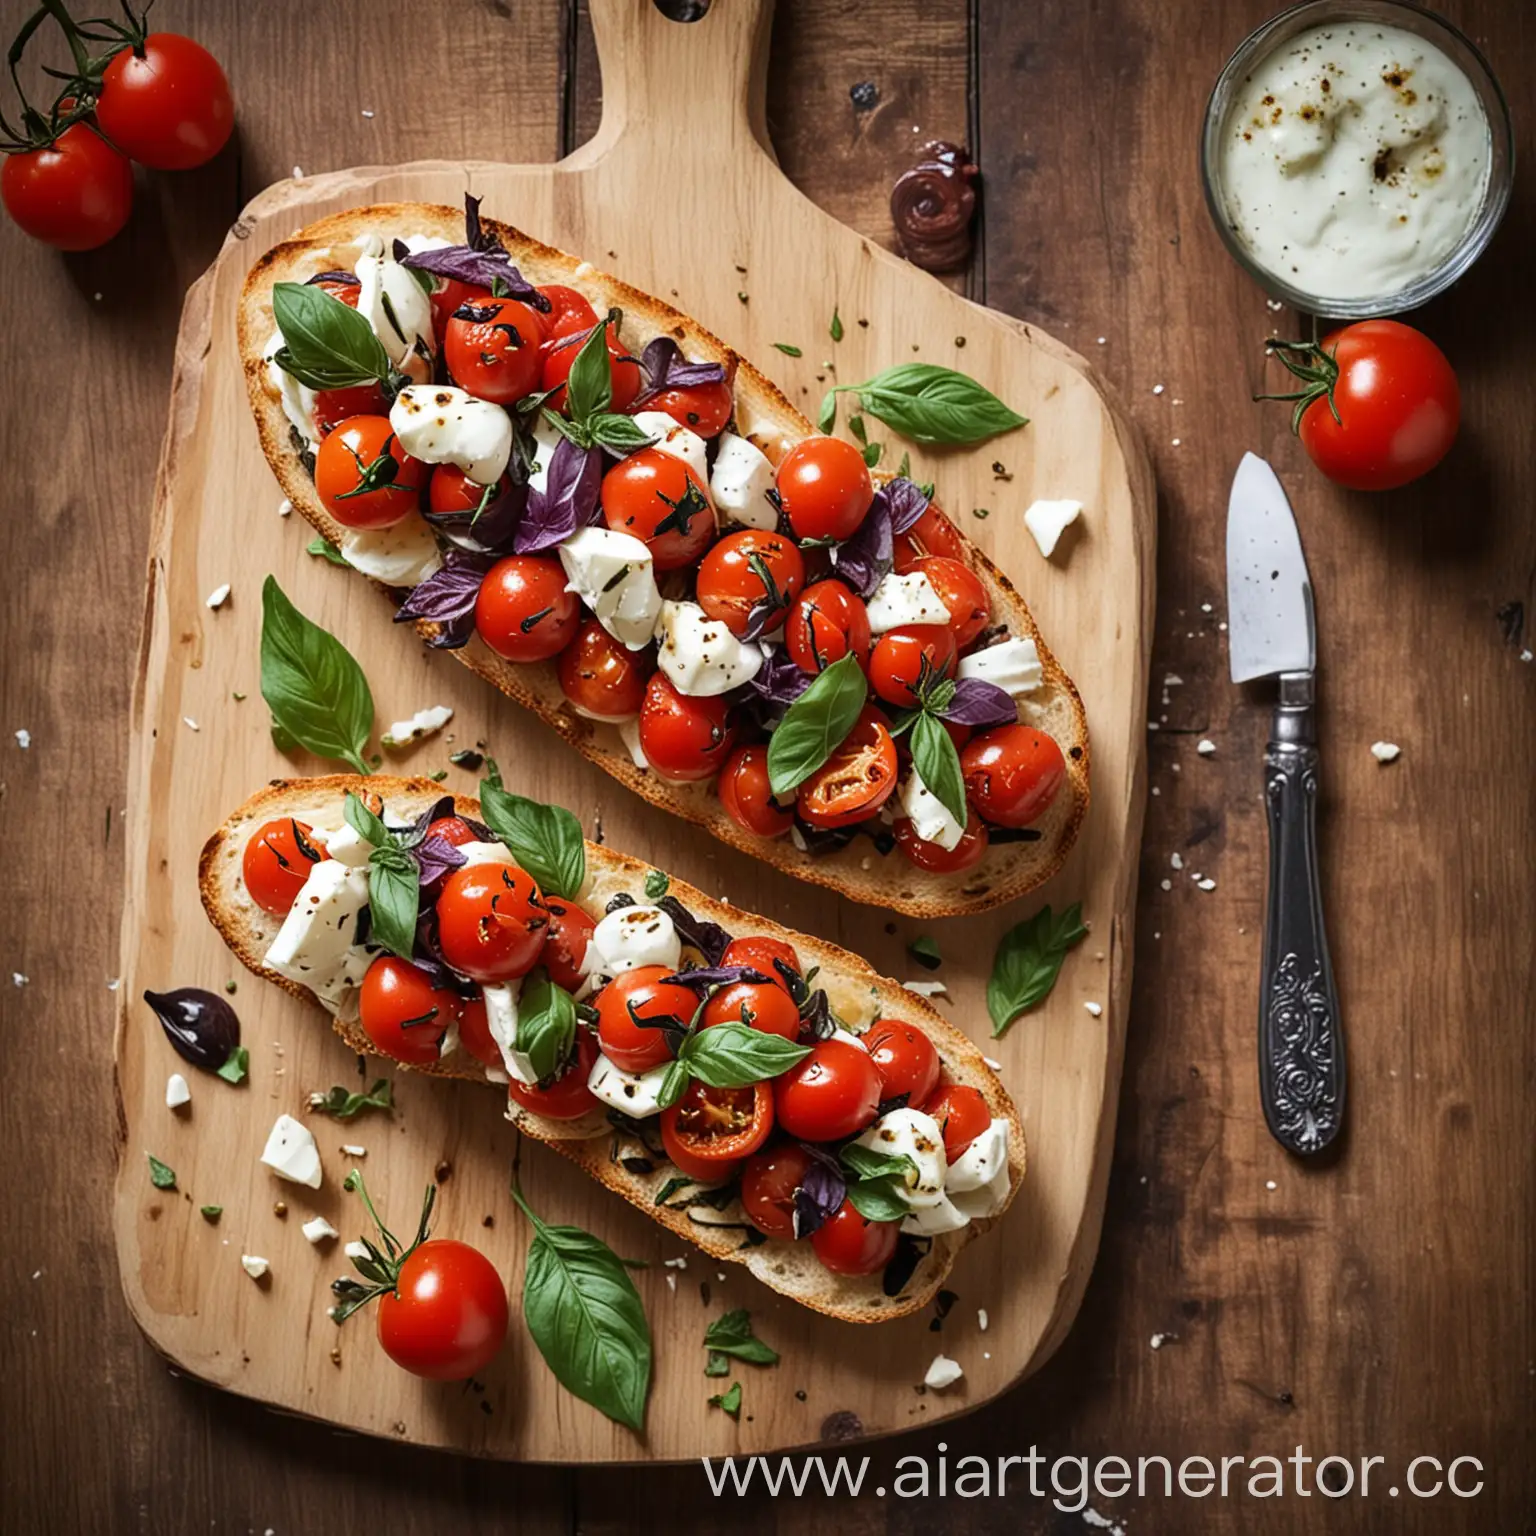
<point>679,194</point>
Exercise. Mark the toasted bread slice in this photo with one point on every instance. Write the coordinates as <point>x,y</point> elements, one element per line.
<point>1008,870</point>
<point>854,989</point>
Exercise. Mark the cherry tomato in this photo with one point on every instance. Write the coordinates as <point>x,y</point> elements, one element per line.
<point>856,780</point>
<point>601,676</point>
<point>763,1005</point>
<point>451,490</point>
<point>568,1097</point>
<point>746,570</point>
<point>523,611</point>
<point>702,408</point>
<point>334,406</point>
<point>962,1115</point>
<point>452,829</point>
<point>277,862</point>
<point>764,955</point>
<point>569,312</point>
<point>339,289</point>
<point>683,738</point>
<point>831,1094</point>
<point>824,488</point>
<point>565,942</point>
<point>828,623</point>
<point>897,663</point>
<point>491,922</point>
<point>768,1184</point>
<point>75,194</point>
<point>1012,774</point>
<point>960,590</point>
<point>494,352</point>
<point>938,860</point>
<point>744,792</point>
<point>931,534</point>
<point>447,1315</point>
<point>475,1034</point>
<point>1398,404</point>
<point>166,103</point>
<point>363,476</point>
<point>628,1009</point>
<point>709,1131</point>
<point>403,1014</point>
<point>905,1059</point>
<point>449,294</point>
<point>623,370</point>
<point>849,1244</point>
<point>653,496</point>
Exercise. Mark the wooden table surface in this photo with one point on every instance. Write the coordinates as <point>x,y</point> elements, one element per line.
<point>1377,1306</point>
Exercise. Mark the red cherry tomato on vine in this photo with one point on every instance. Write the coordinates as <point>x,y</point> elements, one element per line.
<point>491,922</point>
<point>746,569</point>
<point>768,1184</point>
<point>334,406</point>
<point>905,655</point>
<point>653,496</point>
<point>762,1005</point>
<point>709,1131</point>
<point>856,780</point>
<point>452,490</point>
<point>959,588</point>
<point>824,488</point>
<point>73,194</point>
<point>568,1097</point>
<point>363,476</point>
<point>601,676</point>
<point>849,1244</point>
<point>931,534</point>
<point>744,792</point>
<point>277,862</point>
<point>683,738</point>
<point>1012,774</point>
<point>403,1014</point>
<point>623,370</point>
<point>166,103</point>
<point>906,1060</point>
<point>569,312</point>
<point>764,955</point>
<point>454,830</point>
<point>938,860</point>
<point>828,622</point>
<point>832,1093</point>
<point>626,1009</point>
<point>446,1317</point>
<point>565,942</point>
<point>702,408</point>
<point>962,1115</point>
<point>494,354</point>
<point>1398,404</point>
<point>523,611</point>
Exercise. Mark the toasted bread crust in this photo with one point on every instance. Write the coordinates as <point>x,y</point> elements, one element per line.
<point>1008,870</point>
<point>788,1267</point>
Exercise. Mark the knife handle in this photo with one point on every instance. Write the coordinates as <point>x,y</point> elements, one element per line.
<point>1301,1046</point>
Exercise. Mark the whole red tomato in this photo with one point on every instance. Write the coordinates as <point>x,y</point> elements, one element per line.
<point>165,102</point>
<point>74,194</point>
<point>1380,404</point>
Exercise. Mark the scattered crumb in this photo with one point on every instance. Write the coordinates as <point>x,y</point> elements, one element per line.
<point>218,597</point>
<point>254,1265</point>
<point>1167,885</point>
<point>1385,751</point>
<point>927,988</point>
<point>996,1066</point>
<point>23,739</point>
<point>1206,885</point>
<point>1159,1339</point>
<point>190,723</point>
<point>1048,520</point>
<point>113,983</point>
<point>298,173</point>
<point>424,723</point>
<point>319,1230</point>
<point>943,1373</point>
<point>1173,680</point>
<point>982,1319</point>
<point>1270,1184</point>
<point>1092,1517</point>
<point>1176,441</point>
<point>1205,607</point>
<point>284,507</point>
<point>1096,1009</point>
<point>671,1282</point>
<point>680,1262</point>
<point>1102,340</point>
<point>366,112</point>
<point>1157,389</point>
<point>19,979</point>
<point>349,1151</point>
<point>1205,747</point>
<point>177,1093</point>
<point>1176,859</point>
<point>356,1251</point>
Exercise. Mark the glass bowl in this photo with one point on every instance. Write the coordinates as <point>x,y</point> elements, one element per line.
<point>1501,163</point>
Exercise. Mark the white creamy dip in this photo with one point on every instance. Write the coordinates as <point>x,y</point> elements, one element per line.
<point>1353,159</point>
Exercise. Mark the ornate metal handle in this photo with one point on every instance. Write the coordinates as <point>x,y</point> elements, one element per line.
<point>1301,1046</point>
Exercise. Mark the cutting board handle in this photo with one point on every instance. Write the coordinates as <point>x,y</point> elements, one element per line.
<point>703,83</point>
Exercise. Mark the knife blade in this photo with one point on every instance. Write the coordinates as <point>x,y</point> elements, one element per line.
<point>1272,632</point>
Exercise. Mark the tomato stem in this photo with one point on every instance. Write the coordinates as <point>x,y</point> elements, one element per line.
<point>1318,371</point>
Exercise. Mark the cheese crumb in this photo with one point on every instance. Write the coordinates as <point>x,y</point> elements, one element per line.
<point>1206,885</point>
<point>424,723</point>
<point>943,1373</point>
<point>1048,520</point>
<point>927,988</point>
<point>254,1265</point>
<point>1176,860</point>
<point>996,1066</point>
<point>319,1230</point>
<point>23,739</point>
<point>981,1318</point>
<point>1205,747</point>
<point>354,1151</point>
<point>284,507</point>
<point>1096,1009</point>
<point>1159,1339</point>
<point>1385,751</point>
<point>190,723</point>
<point>678,1263</point>
<point>19,979</point>
<point>176,1091</point>
<point>356,1251</point>
<point>218,597</point>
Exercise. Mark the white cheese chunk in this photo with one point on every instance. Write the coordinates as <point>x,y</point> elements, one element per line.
<point>944,1372</point>
<point>176,1091</point>
<point>629,734</point>
<point>1386,751</point>
<point>908,599</point>
<point>355,1250</point>
<point>1012,665</point>
<point>348,846</point>
<point>613,575</point>
<point>254,1265</point>
<point>416,244</point>
<point>1048,520</point>
<point>930,817</point>
<point>298,400</point>
<point>545,440</point>
<point>630,937</point>
<point>977,1166</point>
<point>314,946</point>
<point>486,853</point>
<point>700,655</point>
<point>848,1037</point>
<point>403,555</point>
<point>916,1135</point>
<point>319,1230</point>
<point>501,1019</point>
<point>989,1199</point>
<point>291,1152</point>
<point>933,1220</point>
<point>740,482</point>
<point>424,723</point>
<point>396,308</point>
<point>680,441</point>
<point>439,424</point>
<point>638,1096</point>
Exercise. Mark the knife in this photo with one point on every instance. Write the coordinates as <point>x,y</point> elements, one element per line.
<point>1272,633</point>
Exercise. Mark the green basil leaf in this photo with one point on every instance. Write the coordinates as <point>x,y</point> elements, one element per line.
<point>872,452</point>
<point>161,1175</point>
<point>937,761</point>
<point>816,724</point>
<point>236,1066</point>
<point>326,344</point>
<point>716,1364</point>
<point>344,1105</point>
<point>322,546</point>
<point>731,1334</point>
<point>315,689</point>
<point>904,469</point>
<point>857,429</point>
<point>930,404</point>
<point>369,827</point>
<point>878,1199</point>
<point>925,950</point>
<point>589,389</point>
<point>394,897</point>
<point>619,434</point>
<point>673,1081</point>
<point>788,350</point>
<point>546,1023</point>
<point>212,1212</point>
<point>656,884</point>
<point>586,1317</point>
<point>1028,961</point>
<point>728,1401</point>
<point>826,418</point>
<point>544,839</point>
<point>733,1055</point>
<point>835,330</point>
<point>867,1163</point>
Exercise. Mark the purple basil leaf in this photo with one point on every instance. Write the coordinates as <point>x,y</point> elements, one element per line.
<point>906,501</point>
<point>567,502</point>
<point>980,705</point>
<point>820,1195</point>
<point>480,269</point>
<point>710,939</point>
<point>779,680</point>
<point>332,277</point>
<point>412,836</point>
<point>449,593</point>
<point>663,366</point>
<point>437,856</point>
<point>716,976</point>
<point>495,528</point>
<point>816,1016</point>
<point>864,560</point>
